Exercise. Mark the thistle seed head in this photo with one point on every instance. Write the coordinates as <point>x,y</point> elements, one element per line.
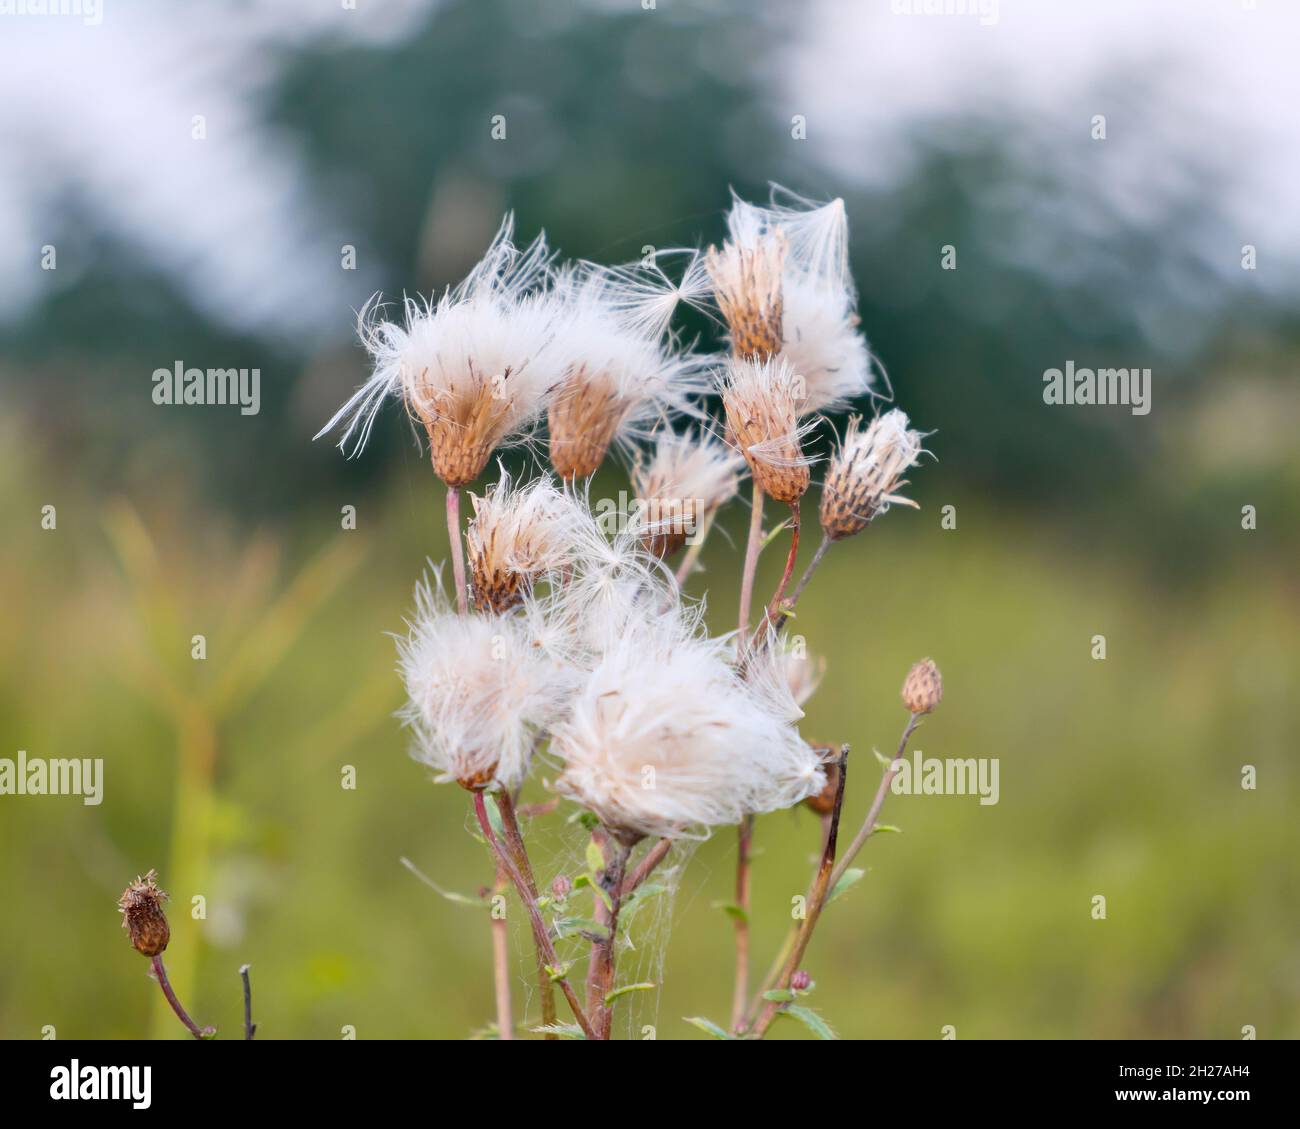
<point>583,418</point>
<point>684,482</point>
<point>762,400</point>
<point>865,473</point>
<point>143,917</point>
<point>923,687</point>
<point>747,286</point>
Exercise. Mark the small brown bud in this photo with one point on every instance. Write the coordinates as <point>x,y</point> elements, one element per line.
<point>923,687</point>
<point>800,981</point>
<point>143,917</point>
<point>562,887</point>
<point>823,803</point>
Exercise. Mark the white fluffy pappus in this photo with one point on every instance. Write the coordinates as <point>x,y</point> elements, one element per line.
<point>665,738</point>
<point>522,532</point>
<point>623,373</point>
<point>475,368</point>
<point>866,472</point>
<point>685,479</point>
<point>761,401</point>
<point>819,320</point>
<point>479,689</point>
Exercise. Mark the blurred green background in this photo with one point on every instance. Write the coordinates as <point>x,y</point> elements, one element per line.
<point>626,128</point>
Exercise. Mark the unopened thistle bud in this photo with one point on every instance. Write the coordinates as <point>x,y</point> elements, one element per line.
<point>800,981</point>
<point>747,285</point>
<point>143,917</point>
<point>923,687</point>
<point>865,473</point>
<point>561,887</point>
<point>762,403</point>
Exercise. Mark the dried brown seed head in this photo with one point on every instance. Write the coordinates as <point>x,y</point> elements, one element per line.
<point>583,419</point>
<point>747,285</point>
<point>143,917</point>
<point>762,405</point>
<point>923,687</point>
<point>865,473</point>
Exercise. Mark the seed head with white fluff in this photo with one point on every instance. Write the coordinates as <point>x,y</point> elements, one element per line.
<point>475,368</point>
<point>680,485</point>
<point>791,258</point>
<point>665,738</point>
<point>623,375</point>
<point>521,533</point>
<point>866,472</point>
<point>479,691</point>
<point>761,400</point>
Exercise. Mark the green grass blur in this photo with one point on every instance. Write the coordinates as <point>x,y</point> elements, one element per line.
<point>1119,777</point>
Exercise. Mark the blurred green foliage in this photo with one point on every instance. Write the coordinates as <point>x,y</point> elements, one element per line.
<point>1119,777</point>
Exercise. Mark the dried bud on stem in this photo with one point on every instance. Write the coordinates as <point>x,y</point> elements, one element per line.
<point>143,917</point>
<point>923,687</point>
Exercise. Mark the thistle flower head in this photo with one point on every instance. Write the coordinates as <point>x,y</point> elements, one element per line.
<point>520,533</point>
<point>143,917</point>
<point>680,485</point>
<point>923,687</point>
<point>622,375</point>
<point>479,691</point>
<point>761,400</point>
<point>475,368</point>
<point>665,738</point>
<point>866,472</point>
<point>802,294</point>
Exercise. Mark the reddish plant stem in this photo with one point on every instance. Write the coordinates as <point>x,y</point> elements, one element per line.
<point>600,980</point>
<point>540,933</point>
<point>501,967</point>
<point>515,842</point>
<point>653,857</point>
<point>160,972</point>
<point>816,902</point>
<point>770,616</point>
<point>457,549</point>
<point>752,548</point>
<point>740,987</point>
<point>873,814</point>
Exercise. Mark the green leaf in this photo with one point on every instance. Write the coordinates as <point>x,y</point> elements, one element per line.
<point>779,995</point>
<point>568,926</point>
<point>707,1026</point>
<point>563,1030</point>
<point>644,891</point>
<point>450,895</point>
<point>610,997</point>
<point>494,817</point>
<point>886,827</point>
<point>595,857</point>
<point>849,878</point>
<point>810,1019</point>
<point>884,760</point>
<point>732,910</point>
<point>585,819</point>
<point>558,972</point>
